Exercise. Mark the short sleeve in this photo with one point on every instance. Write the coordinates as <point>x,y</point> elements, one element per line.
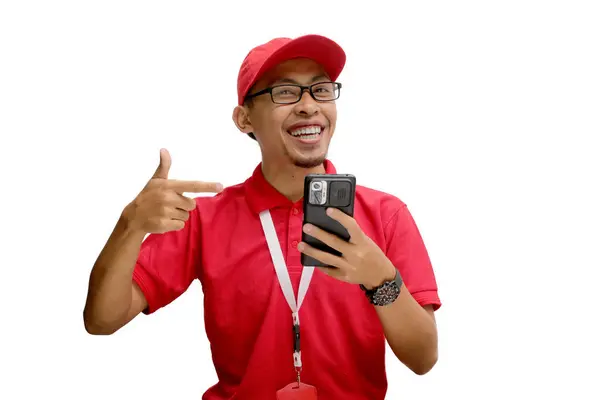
<point>167,265</point>
<point>406,250</point>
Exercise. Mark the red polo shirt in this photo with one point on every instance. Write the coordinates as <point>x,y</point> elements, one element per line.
<point>247,319</point>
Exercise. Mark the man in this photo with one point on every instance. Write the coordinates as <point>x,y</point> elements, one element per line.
<point>382,287</point>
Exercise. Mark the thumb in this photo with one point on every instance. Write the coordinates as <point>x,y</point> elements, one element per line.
<point>162,172</point>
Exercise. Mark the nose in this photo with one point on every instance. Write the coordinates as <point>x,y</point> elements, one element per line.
<point>307,105</point>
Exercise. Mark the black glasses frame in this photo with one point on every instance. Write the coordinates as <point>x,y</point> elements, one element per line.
<point>338,87</point>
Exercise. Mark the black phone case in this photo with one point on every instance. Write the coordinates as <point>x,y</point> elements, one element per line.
<point>316,215</point>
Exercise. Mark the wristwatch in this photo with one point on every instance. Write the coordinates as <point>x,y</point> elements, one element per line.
<point>386,293</point>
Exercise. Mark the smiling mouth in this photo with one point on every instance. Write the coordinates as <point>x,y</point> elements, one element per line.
<point>307,133</point>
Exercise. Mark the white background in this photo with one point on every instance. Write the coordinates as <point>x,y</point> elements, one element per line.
<point>480,115</point>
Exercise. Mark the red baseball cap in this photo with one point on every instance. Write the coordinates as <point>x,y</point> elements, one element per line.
<point>264,57</point>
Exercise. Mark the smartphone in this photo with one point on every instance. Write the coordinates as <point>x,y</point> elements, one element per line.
<point>322,191</point>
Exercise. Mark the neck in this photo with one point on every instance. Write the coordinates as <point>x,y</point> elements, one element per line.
<point>289,179</point>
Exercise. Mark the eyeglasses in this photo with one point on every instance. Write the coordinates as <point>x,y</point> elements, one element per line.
<point>290,94</point>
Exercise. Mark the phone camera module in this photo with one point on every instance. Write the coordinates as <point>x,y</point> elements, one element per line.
<point>318,193</point>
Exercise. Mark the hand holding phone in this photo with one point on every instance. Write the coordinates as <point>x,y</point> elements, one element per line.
<point>322,191</point>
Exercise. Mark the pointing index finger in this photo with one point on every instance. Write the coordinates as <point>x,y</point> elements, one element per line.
<point>180,186</point>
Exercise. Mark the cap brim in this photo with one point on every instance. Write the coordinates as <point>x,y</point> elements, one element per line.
<point>322,50</point>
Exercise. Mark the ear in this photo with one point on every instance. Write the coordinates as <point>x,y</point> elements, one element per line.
<point>241,119</point>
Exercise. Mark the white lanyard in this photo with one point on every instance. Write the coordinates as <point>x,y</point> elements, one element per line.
<point>285,282</point>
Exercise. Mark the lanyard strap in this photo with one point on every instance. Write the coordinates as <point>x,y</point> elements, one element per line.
<point>286,283</point>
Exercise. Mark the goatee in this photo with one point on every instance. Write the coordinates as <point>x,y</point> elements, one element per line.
<point>309,163</point>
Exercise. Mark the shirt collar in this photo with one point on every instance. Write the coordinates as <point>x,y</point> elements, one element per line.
<point>261,195</point>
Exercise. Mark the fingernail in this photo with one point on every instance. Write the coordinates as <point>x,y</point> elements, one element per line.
<point>300,246</point>
<point>307,228</point>
<point>329,211</point>
<point>219,187</point>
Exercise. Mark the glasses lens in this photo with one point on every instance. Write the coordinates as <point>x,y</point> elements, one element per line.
<point>286,94</point>
<point>326,91</point>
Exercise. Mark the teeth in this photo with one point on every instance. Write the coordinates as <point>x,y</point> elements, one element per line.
<point>310,137</point>
<point>308,130</point>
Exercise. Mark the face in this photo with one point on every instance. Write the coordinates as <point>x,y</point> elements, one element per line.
<point>297,134</point>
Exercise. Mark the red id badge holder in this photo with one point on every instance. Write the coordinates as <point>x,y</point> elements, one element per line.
<point>297,391</point>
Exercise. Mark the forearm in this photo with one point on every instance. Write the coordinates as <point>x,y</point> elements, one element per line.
<point>110,286</point>
<point>410,331</point>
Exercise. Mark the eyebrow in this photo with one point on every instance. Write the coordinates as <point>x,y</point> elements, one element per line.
<point>288,80</point>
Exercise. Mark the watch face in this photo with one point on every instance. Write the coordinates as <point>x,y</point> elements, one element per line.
<point>386,294</point>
